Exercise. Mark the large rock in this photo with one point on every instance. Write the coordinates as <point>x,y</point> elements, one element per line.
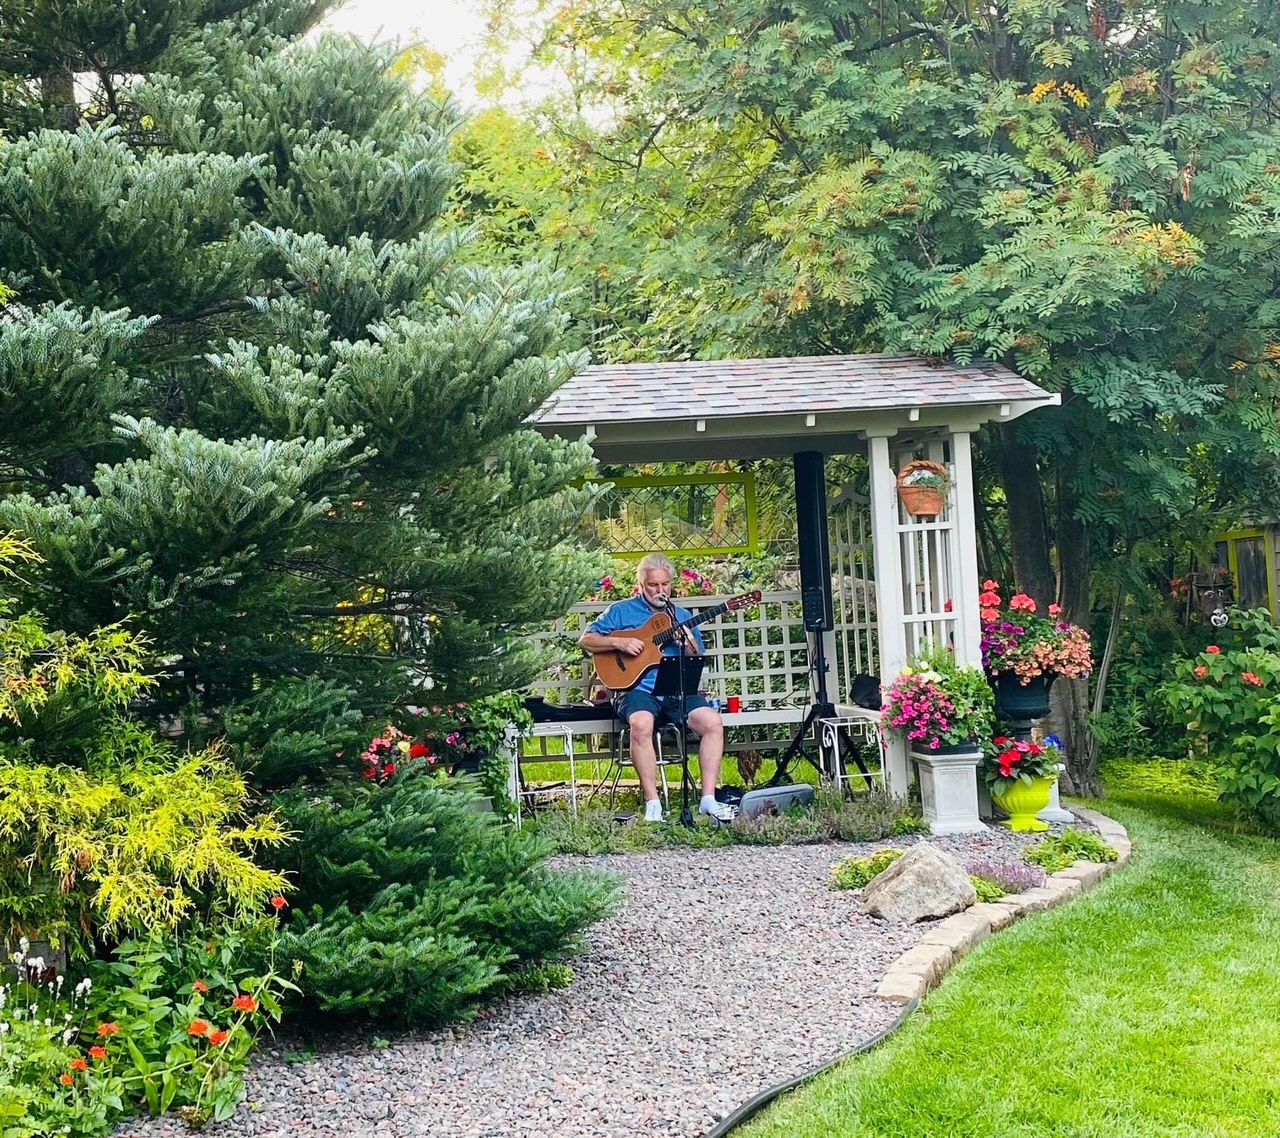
<point>924,882</point>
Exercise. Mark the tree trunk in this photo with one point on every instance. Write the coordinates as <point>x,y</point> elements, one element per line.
<point>58,86</point>
<point>1028,538</point>
<point>1069,708</point>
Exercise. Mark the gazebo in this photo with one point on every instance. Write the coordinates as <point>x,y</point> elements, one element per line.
<point>890,408</point>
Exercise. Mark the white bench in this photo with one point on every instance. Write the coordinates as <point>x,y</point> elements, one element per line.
<point>571,731</point>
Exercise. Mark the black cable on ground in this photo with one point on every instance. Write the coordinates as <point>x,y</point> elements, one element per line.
<point>754,1106</point>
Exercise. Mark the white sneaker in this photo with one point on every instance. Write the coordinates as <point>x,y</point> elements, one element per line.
<point>653,811</point>
<point>721,812</point>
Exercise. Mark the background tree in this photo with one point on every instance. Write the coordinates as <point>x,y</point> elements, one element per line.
<point>252,390</point>
<point>1084,192</point>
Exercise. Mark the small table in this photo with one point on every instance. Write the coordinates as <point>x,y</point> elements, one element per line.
<point>856,731</point>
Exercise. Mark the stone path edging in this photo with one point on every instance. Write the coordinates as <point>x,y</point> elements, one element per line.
<point>922,967</point>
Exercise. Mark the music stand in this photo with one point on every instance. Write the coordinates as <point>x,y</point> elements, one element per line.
<point>678,677</point>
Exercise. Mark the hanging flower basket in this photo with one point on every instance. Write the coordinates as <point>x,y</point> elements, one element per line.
<point>922,487</point>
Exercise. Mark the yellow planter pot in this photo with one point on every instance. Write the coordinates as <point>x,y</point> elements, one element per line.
<point>1023,801</point>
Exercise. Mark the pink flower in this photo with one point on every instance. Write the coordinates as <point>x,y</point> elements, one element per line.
<point>1055,610</point>
<point>1214,650</point>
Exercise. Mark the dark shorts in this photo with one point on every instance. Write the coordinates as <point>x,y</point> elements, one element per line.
<point>627,703</point>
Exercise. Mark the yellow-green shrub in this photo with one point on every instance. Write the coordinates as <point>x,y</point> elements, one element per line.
<point>127,851</point>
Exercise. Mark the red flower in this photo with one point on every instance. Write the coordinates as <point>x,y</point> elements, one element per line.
<point>245,1004</point>
<point>108,1029</point>
<point>278,903</point>
<point>78,1064</point>
<point>991,586</point>
<point>947,607</point>
<point>1055,610</point>
<point>1201,670</point>
<point>97,1052</point>
<point>1251,678</point>
<point>197,1027</point>
<point>388,770</point>
<point>218,1038</point>
<point>66,1080</point>
<point>1214,650</point>
<point>199,986</point>
<point>419,751</point>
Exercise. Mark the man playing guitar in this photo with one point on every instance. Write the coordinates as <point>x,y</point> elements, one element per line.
<point>639,708</point>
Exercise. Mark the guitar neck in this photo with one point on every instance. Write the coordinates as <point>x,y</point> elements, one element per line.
<point>691,622</point>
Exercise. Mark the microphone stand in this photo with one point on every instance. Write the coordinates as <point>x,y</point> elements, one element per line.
<point>682,723</point>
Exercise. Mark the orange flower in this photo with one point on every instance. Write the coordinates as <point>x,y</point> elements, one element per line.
<point>1251,678</point>
<point>197,1027</point>
<point>1201,670</point>
<point>218,1038</point>
<point>66,1080</point>
<point>108,1029</point>
<point>245,1004</point>
<point>278,903</point>
<point>78,1064</point>
<point>199,986</point>
<point>97,1052</point>
<point>1214,650</point>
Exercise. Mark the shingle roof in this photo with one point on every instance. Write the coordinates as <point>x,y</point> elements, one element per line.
<point>726,388</point>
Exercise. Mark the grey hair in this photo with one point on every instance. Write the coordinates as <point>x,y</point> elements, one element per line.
<point>655,561</point>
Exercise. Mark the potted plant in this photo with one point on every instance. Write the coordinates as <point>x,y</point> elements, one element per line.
<point>942,710</point>
<point>1020,774</point>
<point>939,705</point>
<point>922,487</point>
<point>1024,652</point>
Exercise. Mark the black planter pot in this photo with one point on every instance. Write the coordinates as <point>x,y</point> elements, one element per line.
<point>1018,701</point>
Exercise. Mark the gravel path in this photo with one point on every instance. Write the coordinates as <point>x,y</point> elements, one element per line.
<point>725,972</point>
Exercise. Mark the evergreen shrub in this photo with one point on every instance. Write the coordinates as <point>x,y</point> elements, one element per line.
<point>412,905</point>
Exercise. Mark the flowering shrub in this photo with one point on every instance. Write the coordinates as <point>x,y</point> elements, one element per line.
<point>1015,639</point>
<point>170,1023</point>
<point>687,583</point>
<point>175,1018</point>
<point>933,703</point>
<point>1010,876</point>
<point>1229,702</point>
<point>49,1084</point>
<point>1012,760</point>
<point>452,738</point>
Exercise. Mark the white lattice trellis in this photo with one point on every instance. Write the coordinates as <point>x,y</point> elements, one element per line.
<point>760,652</point>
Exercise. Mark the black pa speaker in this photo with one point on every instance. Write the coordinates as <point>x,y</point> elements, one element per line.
<point>815,551</point>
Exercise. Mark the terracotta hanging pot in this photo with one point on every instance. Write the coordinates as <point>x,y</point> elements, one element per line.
<point>922,488</point>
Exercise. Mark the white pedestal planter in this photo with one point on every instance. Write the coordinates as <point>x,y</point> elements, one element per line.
<point>1054,811</point>
<point>949,790</point>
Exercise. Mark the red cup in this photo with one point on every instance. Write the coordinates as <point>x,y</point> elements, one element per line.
<point>734,703</point>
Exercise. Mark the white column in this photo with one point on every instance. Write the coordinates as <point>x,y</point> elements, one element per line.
<point>1054,811</point>
<point>887,548</point>
<point>964,536</point>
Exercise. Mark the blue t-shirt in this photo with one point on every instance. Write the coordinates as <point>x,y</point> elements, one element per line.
<point>632,613</point>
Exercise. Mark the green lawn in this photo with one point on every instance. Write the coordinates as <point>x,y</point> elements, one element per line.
<point>1149,1008</point>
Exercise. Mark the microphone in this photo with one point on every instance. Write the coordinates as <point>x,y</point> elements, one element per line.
<point>661,600</point>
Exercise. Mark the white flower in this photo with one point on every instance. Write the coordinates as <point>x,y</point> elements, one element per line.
<point>68,1036</point>
<point>3,1027</point>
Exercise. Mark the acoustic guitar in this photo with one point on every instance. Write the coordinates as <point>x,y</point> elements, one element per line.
<point>620,672</point>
